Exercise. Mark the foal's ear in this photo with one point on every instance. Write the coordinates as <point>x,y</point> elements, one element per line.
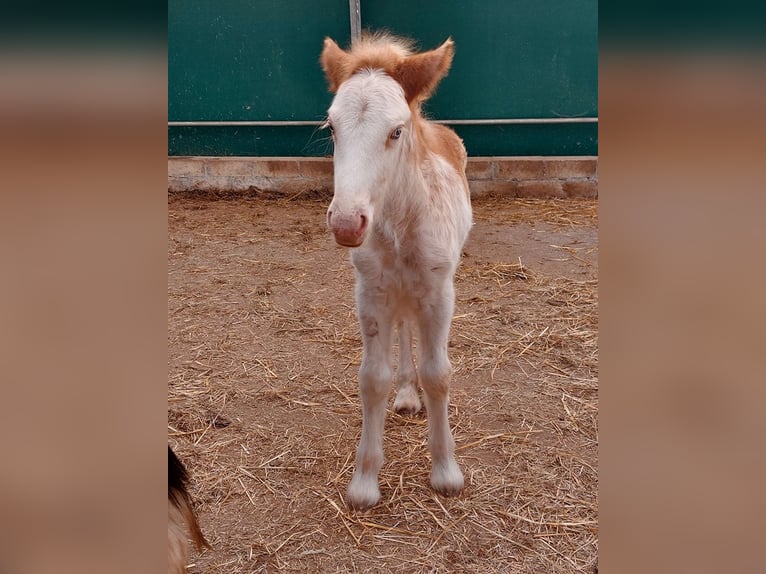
<point>419,74</point>
<point>333,61</point>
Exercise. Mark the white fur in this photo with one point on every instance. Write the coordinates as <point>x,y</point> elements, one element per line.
<point>418,217</point>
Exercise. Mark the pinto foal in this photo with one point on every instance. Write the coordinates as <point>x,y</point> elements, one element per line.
<point>402,203</point>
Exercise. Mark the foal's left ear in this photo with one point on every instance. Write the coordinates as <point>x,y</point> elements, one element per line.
<point>419,74</point>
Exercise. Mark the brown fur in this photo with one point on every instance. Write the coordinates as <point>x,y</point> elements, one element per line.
<point>180,516</point>
<point>418,74</point>
<point>177,543</point>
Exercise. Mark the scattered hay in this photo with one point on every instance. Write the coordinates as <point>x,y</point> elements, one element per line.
<point>563,212</point>
<point>302,191</point>
<point>264,409</point>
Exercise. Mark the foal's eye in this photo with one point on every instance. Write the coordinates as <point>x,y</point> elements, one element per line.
<point>396,133</point>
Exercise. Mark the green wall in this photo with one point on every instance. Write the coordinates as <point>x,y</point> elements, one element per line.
<point>230,60</point>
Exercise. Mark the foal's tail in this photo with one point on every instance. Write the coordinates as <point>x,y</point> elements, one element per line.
<point>180,514</point>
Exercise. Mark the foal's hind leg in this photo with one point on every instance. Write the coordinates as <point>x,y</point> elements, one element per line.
<point>407,401</point>
<point>435,372</point>
<point>375,377</point>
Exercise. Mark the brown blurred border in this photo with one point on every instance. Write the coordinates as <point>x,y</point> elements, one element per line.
<point>83,307</point>
<point>682,205</point>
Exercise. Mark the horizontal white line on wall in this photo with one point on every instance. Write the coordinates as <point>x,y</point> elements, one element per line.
<point>291,123</point>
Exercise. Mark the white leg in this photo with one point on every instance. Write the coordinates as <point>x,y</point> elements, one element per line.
<point>435,371</point>
<point>407,401</point>
<point>375,377</point>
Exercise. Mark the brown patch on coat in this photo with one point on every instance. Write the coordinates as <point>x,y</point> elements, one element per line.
<point>444,142</point>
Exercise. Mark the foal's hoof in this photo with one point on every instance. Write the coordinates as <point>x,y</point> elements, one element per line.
<point>447,479</point>
<point>407,403</point>
<point>407,411</point>
<point>362,494</point>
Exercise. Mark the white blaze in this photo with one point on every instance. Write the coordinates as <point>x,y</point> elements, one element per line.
<point>366,109</point>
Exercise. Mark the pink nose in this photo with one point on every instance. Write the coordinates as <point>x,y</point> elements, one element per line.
<point>348,230</point>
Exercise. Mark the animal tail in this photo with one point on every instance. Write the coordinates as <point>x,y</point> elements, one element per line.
<point>180,514</point>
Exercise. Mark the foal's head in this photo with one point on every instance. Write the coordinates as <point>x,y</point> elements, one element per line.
<point>378,87</point>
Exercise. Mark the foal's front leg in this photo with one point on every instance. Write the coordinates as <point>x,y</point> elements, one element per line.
<point>434,321</point>
<point>375,377</point>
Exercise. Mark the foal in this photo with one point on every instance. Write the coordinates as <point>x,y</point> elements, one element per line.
<point>402,203</point>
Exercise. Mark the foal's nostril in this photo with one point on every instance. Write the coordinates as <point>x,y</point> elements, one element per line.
<point>329,217</point>
<point>364,222</point>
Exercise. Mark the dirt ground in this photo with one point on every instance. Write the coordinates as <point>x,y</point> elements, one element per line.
<point>263,406</point>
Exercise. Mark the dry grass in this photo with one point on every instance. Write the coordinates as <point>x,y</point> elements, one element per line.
<point>264,410</point>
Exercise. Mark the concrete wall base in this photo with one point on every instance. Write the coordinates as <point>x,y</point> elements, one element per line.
<point>533,176</point>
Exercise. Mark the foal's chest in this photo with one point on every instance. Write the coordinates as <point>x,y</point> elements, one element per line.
<point>402,277</point>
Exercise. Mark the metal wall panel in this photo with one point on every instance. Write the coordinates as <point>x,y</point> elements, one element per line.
<point>230,60</point>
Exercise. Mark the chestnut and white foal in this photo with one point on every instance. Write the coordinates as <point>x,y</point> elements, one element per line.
<point>401,202</point>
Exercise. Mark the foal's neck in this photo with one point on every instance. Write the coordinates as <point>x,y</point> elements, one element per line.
<point>406,198</point>
<point>409,180</point>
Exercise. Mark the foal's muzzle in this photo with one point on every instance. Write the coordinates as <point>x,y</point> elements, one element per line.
<point>349,229</point>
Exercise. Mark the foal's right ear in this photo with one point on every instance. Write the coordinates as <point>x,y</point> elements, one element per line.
<point>418,74</point>
<point>333,61</point>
